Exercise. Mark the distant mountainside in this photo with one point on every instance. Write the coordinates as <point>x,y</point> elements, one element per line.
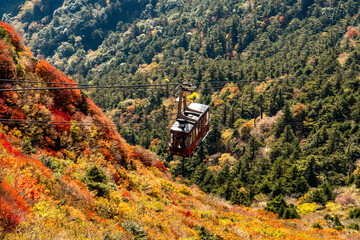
<point>10,7</point>
<point>66,173</point>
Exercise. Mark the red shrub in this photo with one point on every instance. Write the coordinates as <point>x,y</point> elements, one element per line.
<point>160,166</point>
<point>11,197</point>
<point>15,38</point>
<point>62,119</point>
<point>8,220</point>
<point>7,145</point>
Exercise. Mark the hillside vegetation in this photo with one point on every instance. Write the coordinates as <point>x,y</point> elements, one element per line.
<point>285,115</point>
<point>66,173</point>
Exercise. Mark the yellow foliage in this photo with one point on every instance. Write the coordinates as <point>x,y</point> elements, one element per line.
<point>106,208</point>
<point>16,132</point>
<point>307,208</point>
<point>166,185</point>
<point>226,136</point>
<point>124,209</point>
<point>333,207</point>
<point>184,190</point>
<point>193,97</point>
<point>226,158</point>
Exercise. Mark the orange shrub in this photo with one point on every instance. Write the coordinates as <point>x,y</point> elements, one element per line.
<point>64,97</point>
<point>6,62</point>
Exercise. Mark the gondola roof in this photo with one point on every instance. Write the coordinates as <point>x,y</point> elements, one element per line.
<point>183,126</point>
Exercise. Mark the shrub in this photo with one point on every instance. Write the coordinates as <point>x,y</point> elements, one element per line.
<point>15,38</point>
<point>353,226</point>
<point>27,147</point>
<point>205,234</point>
<point>47,161</point>
<point>307,208</point>
<point>97,181</point>
<point>334,222</point>
<point>184,190</point>
<point>317,225</point>
<point>278,205</point>
<point>136,229</point>
<point>345,199</point>
<point>355,213</point>
<point>352,33</point>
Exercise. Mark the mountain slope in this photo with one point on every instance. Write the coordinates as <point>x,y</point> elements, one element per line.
<point>66,173</point>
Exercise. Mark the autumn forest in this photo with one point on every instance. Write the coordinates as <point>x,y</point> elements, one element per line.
<point>89,93</point>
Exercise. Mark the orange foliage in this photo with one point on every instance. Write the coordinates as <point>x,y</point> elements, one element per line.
<point>4,109</point>
<point>15,38</point>
<point>298,109</point>
<point>30,187</point>
<point>76,189</point>
<point>282,20</point>
<point>130,109</point>
<point>18,114</point>
<point>64,97</point>
<point>218,102</point>
<point>6,62</point>
<point>352,33</point>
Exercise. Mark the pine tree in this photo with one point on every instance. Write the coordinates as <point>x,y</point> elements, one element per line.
<point>311,172</point>
<point>285,119</point>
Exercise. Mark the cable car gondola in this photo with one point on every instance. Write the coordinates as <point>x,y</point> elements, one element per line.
<point>191,126</point>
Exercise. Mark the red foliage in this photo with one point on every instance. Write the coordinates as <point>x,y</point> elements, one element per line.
<point>62,119</point>
<point>186,213</point>
<point>63,97</point>
<point>12,198</point>
<point>160,165</point>
<point>15,38</point>
<point>7,145</point>
<point>352,33</point>
<point>126,194</point>
<point>8,220</point>
<point>7,69</point>
<point>12,206</point>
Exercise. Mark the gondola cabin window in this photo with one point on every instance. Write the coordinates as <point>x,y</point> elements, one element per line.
<point>187,133</point>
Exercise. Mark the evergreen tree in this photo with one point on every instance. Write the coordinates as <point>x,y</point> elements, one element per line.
<point>311,171</point>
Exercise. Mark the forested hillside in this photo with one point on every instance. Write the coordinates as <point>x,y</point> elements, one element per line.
<point>66,173</point>
<point>285,105</point>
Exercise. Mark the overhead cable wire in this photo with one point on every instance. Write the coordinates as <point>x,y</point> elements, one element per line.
<point>146,86</point>
<point>27,81</point>
<point>31,121</point>
<point>23,121</point>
